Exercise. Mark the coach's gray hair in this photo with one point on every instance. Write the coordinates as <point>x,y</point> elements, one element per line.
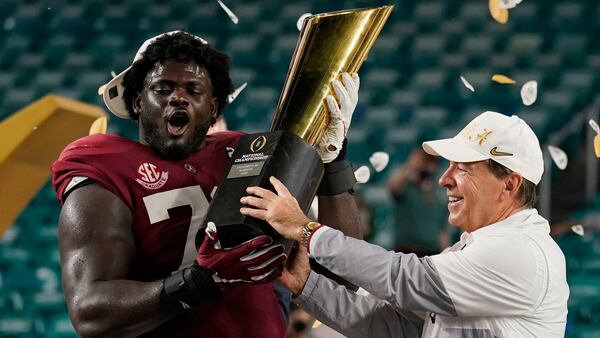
<point>527,194</point>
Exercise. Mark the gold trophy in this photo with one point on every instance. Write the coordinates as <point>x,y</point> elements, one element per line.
<point>329,44</point>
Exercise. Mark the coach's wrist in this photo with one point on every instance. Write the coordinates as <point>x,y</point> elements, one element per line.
<point>297,287</point>
<point>307,231</point>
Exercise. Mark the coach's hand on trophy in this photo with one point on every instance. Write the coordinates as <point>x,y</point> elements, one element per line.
<point>280,210</point>
<point>256,261</point>
<point>340,116</point>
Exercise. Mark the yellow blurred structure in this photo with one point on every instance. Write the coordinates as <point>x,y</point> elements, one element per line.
<point>30,140</point>
<point>99,126</point>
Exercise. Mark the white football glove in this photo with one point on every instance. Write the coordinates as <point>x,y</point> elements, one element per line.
<point>340,116</point>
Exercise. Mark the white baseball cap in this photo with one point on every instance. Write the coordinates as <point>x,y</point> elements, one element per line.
<point>506,140</point>
<point>112,92</point>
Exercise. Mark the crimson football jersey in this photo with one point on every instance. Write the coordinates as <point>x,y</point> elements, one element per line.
<point>168,201</point>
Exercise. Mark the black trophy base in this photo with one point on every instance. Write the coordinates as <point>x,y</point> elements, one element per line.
<point>256,158</point>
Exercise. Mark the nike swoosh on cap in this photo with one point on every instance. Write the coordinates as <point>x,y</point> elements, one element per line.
<point>495,152</point>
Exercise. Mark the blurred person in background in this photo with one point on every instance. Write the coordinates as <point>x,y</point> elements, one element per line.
<point>299,323</point>
<point>303,325</point>
<point>420,207</point>
<point>506,276</point>
<point>131,210</point>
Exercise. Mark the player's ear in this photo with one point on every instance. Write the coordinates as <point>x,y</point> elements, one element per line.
<point>137,105</point>
<point>215,109</point>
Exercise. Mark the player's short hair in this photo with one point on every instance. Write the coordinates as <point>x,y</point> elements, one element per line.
<point>183,47</point>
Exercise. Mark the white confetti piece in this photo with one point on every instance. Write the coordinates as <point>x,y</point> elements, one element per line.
<point>467,84</point>
<point>362,174</point>
<point>113,74</point>
<point>236,92</point>
<point>559,157</point>
<point>301,20</point>
<point>594,126</point>
<point>529,92</point>
<point>379,160</point>
<point>229,12</point>
<point>508,4</point>
<point>578,229</point>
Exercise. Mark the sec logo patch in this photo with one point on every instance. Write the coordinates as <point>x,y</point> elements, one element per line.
<point>150,176</point>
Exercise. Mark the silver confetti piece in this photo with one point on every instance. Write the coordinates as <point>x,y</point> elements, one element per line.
<point>594,126</point>
<point>508,4</point>
<point>467,84</point>
<point>529,92</point>
<point>229,12</point>
<point>362,174</point>
<point>301,20</point>
<point>379,160</point>
<point>559,157</point>
<point>578,229</point>
<point>236,92</point>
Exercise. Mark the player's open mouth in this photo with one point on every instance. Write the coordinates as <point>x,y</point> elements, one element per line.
<point>177,122</point>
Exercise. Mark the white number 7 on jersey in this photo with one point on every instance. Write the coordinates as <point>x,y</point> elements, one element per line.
<point>158,206</point>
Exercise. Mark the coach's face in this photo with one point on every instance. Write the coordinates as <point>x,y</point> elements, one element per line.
<point>476,197</point>
<point>176,108</point>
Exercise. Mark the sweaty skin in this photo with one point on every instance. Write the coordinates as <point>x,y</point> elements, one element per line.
<point>100,299</point>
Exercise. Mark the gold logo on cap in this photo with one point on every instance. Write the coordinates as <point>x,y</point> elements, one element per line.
<point>495,152</point>
<point>480,137</point>
<point>258,143</point>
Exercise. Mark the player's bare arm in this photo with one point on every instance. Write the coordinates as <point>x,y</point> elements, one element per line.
<point>97,252</point>
<point>341,212</point>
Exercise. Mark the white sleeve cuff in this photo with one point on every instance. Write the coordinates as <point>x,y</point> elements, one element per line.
<point>314,239</point>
